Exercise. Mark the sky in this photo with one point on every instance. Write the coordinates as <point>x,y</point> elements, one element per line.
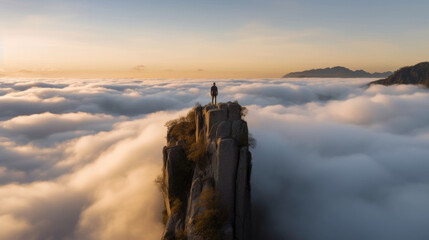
<point>174,39</point>
<point>333,160</point>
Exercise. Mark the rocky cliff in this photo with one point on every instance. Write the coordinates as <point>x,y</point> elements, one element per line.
<point>206,174</point>
<point>417,75</point>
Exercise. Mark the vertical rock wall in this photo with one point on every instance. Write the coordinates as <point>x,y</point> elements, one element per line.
<point>226,169</point>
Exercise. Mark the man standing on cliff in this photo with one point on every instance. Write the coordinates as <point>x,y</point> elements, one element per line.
<point>213,92</point>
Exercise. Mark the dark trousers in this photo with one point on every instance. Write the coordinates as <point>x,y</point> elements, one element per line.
<point>214,100</point>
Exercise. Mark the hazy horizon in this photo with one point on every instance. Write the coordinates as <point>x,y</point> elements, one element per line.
<point>205,39</point>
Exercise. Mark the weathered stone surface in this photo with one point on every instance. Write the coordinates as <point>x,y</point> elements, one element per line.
<point>208,183</point>
<point>170,228</point>
<point>212,155</point>
<point>212,148</point>
<point>199,121</point>
<point>225,176</point>
<point>240,132</point>
<point>236,129</point>
<point>174,225</point>
<point>242,197</point>
<point>208,108</point>
<point>177,174</point>
<point>213,131</point>
<point>234,111</point>
<point>224,129</point>
<point>193,209</point>
<point>165,179</point>
<point>194,194</point>
<point>173,156</point>
<point>222,106</point>
<point>213,117</point>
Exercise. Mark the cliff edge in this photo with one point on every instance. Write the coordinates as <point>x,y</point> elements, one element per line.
<point>206,174</point>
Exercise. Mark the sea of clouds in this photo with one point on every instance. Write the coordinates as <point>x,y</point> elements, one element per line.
<point>334,159</point>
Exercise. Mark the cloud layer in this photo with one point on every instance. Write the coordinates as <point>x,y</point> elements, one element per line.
<point>334,160</point>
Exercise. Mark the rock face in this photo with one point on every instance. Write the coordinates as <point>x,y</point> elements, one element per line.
<point>224,168</point>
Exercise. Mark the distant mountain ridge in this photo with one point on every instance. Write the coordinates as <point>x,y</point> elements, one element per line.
<point>417,74</point>
<point>336,72</point>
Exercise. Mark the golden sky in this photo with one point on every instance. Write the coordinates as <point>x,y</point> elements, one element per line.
<point>196,39</point>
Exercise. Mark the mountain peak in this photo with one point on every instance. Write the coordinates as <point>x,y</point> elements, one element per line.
<point>417,74</point>
<point>335,72</point>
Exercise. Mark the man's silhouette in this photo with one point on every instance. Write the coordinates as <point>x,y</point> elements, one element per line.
<point>213,92</point>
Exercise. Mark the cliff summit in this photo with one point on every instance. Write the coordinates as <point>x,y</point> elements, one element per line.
<point>206,174</point>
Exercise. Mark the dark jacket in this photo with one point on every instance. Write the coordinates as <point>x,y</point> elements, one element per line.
<point>213,91</point>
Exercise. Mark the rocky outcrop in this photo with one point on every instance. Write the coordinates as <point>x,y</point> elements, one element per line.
<point>416,75</point>
<point>192,186</point>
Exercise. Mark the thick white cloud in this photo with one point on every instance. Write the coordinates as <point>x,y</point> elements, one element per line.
<point>108,191</point>
<point>334,160</point>
<point>42,125</point>
<point>345,169</point>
